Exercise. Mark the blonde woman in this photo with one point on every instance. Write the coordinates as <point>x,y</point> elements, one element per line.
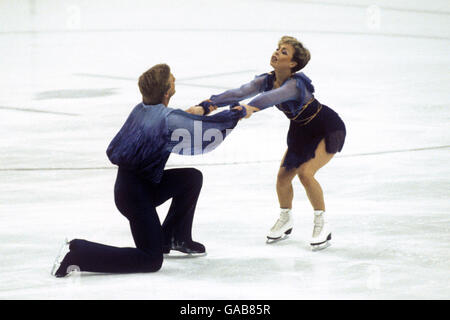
<point>316,132</point>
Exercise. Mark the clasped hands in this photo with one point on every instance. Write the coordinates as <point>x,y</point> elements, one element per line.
<point>198,110</point>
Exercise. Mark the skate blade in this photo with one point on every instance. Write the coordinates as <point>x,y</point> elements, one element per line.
<point>322,245</point>
<point>174,254</point>
<point>63,250</point>
<point>319,247</point>
<point>275,240</point>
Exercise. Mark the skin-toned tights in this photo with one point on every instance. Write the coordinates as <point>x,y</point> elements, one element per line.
<point>306,174</point>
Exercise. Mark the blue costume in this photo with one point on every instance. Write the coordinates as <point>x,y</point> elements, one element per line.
<point>141,149</point>
<point>151,133</point>
<point>310,121</point>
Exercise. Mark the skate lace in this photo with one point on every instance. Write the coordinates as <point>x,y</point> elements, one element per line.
<point>281,221</point>
<point>318,226</point>
<point>317,229</point>
<point>278,224</point>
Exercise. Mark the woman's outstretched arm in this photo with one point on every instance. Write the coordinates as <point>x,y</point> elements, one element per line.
<point>288,91</point>
<point>245,91</point>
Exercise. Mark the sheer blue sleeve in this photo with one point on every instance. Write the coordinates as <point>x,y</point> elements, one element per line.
<point>247,90</point>
<point>191,134</point>
<point>288,91</point>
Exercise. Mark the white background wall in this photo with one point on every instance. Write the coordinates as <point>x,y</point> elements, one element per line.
<point>398,17</point>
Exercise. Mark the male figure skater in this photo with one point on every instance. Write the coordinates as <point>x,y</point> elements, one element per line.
<point>141,149</point>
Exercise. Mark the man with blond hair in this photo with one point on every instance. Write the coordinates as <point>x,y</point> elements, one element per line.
<point>140,150</point>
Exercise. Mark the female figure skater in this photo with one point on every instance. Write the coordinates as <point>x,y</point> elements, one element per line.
<point>315,134</point>
<point>141,149</point>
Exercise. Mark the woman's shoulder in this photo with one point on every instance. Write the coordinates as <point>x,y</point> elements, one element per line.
<point>301,76</point>
<point>267,79</point>
<point>303,81</point>
<point>265,74</point>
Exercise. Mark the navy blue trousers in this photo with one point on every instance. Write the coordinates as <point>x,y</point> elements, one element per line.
<point>137,199</point>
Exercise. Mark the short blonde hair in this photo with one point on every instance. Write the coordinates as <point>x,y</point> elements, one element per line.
<point>301,54</point>
<point>154,83</point>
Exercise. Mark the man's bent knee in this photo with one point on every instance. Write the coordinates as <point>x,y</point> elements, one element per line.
<point>195,176</point>
<point>152,263</point>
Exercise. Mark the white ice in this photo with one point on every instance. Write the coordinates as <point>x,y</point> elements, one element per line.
<point>68,81</point>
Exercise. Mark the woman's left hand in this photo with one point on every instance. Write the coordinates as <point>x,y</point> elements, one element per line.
<point>249,109</point>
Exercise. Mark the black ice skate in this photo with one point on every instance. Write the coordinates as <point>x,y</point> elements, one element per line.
<point>191,248</point>
<point>61,268</point>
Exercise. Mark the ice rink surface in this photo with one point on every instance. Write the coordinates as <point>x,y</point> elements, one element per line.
<point>68,81</point>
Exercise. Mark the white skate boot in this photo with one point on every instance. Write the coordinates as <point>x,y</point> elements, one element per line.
<point>282,228</point>
<point>321,233</point>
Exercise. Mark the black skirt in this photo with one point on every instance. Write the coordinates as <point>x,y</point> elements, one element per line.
<point>303,139</point>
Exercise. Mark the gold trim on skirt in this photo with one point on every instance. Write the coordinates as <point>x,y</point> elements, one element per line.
<point>305,121</point>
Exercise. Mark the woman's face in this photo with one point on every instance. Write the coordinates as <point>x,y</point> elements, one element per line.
<point>282,57</point>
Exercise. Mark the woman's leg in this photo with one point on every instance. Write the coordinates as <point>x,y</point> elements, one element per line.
<point>306,174</point>
<point>284,186</point>
<point>285,193</point>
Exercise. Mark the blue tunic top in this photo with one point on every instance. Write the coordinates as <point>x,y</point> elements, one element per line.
<point>152,132</point>
<point>289,98</point>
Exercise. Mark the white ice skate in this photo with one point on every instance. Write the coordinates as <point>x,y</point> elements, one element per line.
<point>321,234</point>
<point>64,249</point>
<point>282,228</point>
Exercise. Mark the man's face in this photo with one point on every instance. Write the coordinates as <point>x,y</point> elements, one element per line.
<point>171,91</point>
